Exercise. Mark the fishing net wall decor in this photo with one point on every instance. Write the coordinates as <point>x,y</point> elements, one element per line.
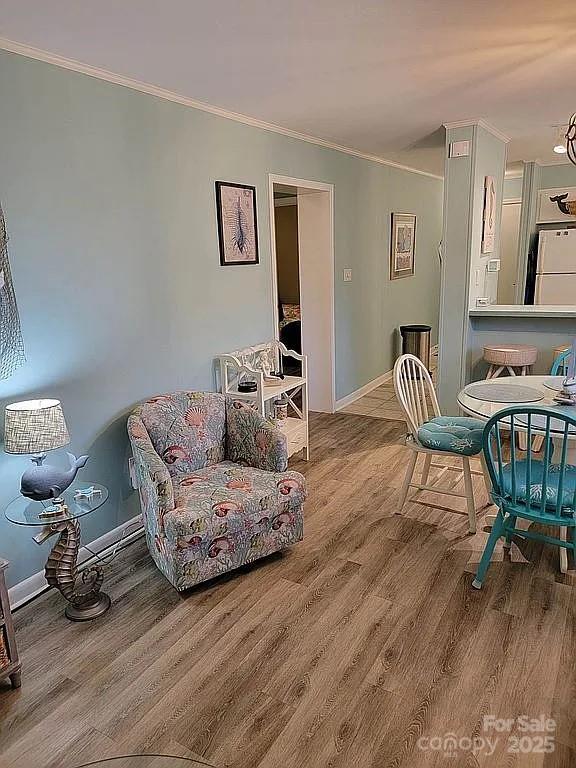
<point>11,342</point>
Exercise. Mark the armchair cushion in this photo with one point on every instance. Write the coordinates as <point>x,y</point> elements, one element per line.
<point>226,497</point>
<point>186,429</point>
<point>227,515</point>
<point>252,440</point>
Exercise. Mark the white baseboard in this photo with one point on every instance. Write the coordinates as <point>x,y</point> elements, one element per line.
<point>357,394</point>
<point>36,584</point>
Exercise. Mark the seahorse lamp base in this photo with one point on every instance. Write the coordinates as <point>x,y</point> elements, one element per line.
<point>85,601</point>
<point>88,611</point>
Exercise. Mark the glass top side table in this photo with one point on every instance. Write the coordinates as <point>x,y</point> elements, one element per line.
<point>85,601</point>
<point>147,761</point>
<point>23,511</point>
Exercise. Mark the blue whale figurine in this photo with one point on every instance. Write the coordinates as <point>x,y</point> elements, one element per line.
<point>43,481</point>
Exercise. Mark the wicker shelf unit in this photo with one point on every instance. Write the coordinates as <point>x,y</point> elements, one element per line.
<point>9,661</point>
<point>251,363</point>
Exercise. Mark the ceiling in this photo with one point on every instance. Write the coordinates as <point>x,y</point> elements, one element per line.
<point>378,76</point>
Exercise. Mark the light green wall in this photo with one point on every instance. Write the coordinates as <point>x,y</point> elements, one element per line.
<point>109,201</point>
<point>489,160</point>
<point>557,176</point>
<point>458,195</point>
<point>462,237</point>
<point>512,189</point>
<point>544,333</point>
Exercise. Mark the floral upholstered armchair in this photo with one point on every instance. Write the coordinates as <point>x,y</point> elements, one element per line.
<point>214,488</point>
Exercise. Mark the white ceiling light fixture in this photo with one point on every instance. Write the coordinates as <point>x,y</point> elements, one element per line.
<point>560,141</point>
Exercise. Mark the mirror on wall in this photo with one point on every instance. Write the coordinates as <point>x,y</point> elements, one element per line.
<point>538,234</point>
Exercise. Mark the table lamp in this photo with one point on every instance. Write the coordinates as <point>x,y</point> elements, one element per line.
<point>34,427</point>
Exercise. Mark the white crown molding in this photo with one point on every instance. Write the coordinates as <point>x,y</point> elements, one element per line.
<point>30,52</point>
<point>516,174</point>
<point>547,163</point>
<point>554,163</point>
<point>481,123</point>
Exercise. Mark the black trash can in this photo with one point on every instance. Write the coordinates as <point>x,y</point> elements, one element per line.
<point>416,341</point>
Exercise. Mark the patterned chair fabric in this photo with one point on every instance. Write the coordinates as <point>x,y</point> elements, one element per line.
<point>537,481</point>
<point>455,434</point>
<point>213,483</point>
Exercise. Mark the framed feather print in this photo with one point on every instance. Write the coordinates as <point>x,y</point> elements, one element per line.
<point>237,228</point>
<point>402,245</point>
<point>489,216</point>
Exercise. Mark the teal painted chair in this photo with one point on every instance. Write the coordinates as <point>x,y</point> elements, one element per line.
<point>560,364</point>
<point>542,490</point>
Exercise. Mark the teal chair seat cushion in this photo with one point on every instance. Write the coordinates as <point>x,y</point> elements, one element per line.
<point>536,477</point>
<point>454,434</point>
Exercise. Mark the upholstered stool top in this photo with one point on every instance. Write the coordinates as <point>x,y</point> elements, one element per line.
<point>454,434</point>
<point>510,354</point>
<point>536,480</point>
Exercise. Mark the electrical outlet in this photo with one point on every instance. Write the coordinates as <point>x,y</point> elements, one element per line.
<point>482,301</point>
<point>347,275</point>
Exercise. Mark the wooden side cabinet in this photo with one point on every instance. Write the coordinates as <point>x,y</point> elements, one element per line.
<point>9,661</point>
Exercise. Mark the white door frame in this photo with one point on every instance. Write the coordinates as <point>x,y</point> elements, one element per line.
<point>316,186</point>
<point>513,201</point>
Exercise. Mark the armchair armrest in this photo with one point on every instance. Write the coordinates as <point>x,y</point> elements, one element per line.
<point>252,440</point>
<point>154,482</point>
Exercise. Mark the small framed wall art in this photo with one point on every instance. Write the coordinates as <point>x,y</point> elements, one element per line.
<point>489,220</point>
<point>402,244</point>
<point>556,205</point>
<point>237,227</point>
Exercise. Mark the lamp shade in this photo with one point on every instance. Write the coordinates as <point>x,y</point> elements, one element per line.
<point>34,426</point>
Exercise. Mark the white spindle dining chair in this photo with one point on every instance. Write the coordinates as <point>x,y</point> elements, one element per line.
<point>416,394</point>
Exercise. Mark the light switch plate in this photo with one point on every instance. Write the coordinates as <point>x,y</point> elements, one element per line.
<point>347,275</point>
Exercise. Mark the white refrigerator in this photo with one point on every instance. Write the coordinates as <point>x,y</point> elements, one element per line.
<point>556,267</point>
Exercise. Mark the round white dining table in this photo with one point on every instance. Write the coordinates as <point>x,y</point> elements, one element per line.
<point>545,388</point>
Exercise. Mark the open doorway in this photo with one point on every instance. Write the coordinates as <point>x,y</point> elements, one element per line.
<point>288,274</point>
<point>301,222</point>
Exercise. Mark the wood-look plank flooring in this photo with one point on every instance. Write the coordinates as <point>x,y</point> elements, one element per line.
<point>346,650</point>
